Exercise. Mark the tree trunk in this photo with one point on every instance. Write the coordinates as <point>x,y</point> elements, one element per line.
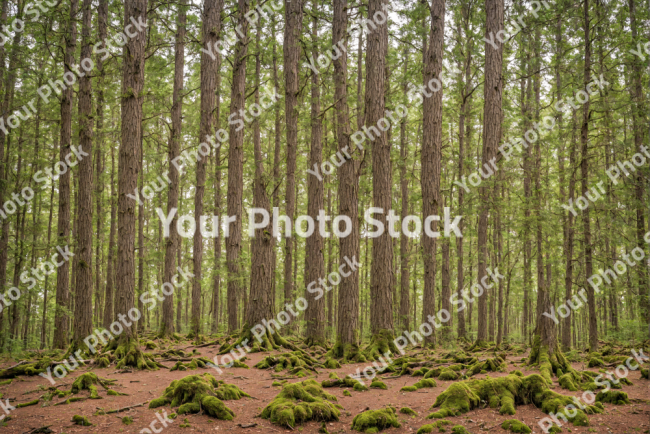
<point>405,301</point>
<point>83,313</point>
<point>584,169</point>
<point>110,273</point>
<point>291,49</point>
<point>348,194</point>
<point>63,227</point>
<point>431,155</point>
<point>314,259</point>
<point>129,162</point>
<point>236,169</point>
<point>492,90</point>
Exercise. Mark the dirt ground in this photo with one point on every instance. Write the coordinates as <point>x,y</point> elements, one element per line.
<point>143,386</point>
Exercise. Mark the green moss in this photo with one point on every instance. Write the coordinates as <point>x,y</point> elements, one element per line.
<point>346,393</point>
<point>433,373</point>
<point>516,426</point>
<point>518,373</point>
<point>459,429</point>
<point>644,373</point>
<point>595,362</point>
<point>420,372</point>
<point>554,429</point>
<point>159,402</point>
<point>381,343</point>
<point>27,404</point>
<point>296,362</point>
<point>214,407</point>
<point>425,429</point>
<point>128,354</point>
<point>378,385</point>
<point>613,397</point>
<point>149,345</point>
<point>112,392</point>
<point>5,382</point>
<point>26,369</point>
<point>331,363</point>
<point>102,362</point>
<point>425,382</point>
<point>81,420</point>
<point>345,382</point>
<point>457,399</point>
<point>448,375</point>
<point>89,381</point>
<point>375,420</point>
<point>496,364</point>
<point>127,420</point>
<point>406,410</point>
<point>301,402</point>
<point>360,387</point>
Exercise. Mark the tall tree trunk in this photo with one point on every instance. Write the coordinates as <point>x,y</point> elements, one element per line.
<point>209,73</point>
<point>171,244</point>
<point>314,258</point>
<point>83,312</point>
<point>492,90</point>
<point>431,155</point>
<point>292,30</point>
<point>129,162</point>
<point>277,133</point>
<point>348,194</point>
<point>405,301</point>
<point>45,286</point>
<point>63,226</point>
<point>584,169</point>
<point>216,285</point>
<point>110,272</point>
<point>236,168</point>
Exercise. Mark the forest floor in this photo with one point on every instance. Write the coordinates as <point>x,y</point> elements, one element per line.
<point>141,387</point>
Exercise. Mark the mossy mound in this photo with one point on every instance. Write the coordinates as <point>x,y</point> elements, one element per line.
<point>269,341</point>
<point>554,429</point>
<point>496,364</point>
<point>331,363</point>
<point>574,380</point>
<point>127,420</point>
<point>102,362</point>
<point>381,343</point>
<point>150,345</point>
<point>346,393</point>
<point>505,393</point>
<point>89,381</point>
<point>128,354</point>
<point>373,421</point>
<point>425,382</point>
<point>448,375</point>
<point>378,385</point>
<point>200,362</point>
<point>406,410</point>
<point>644,373</point>
<point>81,420</point>
<point>516,426</point>
<point>289,361</point>
<point>439,425</point>
<point>613,397</point>
<point>420,372</point>
<point>459,429</point>
<point>301,402</point>
<point>196,392</point>
<point>346,353</point>
<point>30,369</point>
<point>595,362</point>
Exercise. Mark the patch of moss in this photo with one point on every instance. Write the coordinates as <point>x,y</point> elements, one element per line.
<point>345,382</point>
<point>496,364</point>
<point>159,402</point>
<point>644,373</point>
<point>81,420</point>
<point>376,384</point>
<point>27,404</point>
<point>420,372</point>
<point>127,420</point>
<point>406,410</point>
<point>516,426</point>
<point>26,369</point>
<point>612,397</point>
<point>425,382</point>
<point>346,393</point>
<point>5,382</point>
<point>301,402</point>
<point>373,421</point>
<point>128,354</point>
<point>595,362</point>
<point>331,363</point>
<point>381,343</point>
<point>89,381</point>
<point>554,429</point>
<point>295,361</point>
<point>448,375</point>
<point>459,429</point>
<point>102,362</point>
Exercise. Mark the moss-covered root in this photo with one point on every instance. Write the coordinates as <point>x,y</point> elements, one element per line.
<point>269,341</point>
<point>290,361</point>
<point>496,364</point>
<point>549,362</point>
<point>373,421</point>
<point>376,384</point>
<point>128,354</point>
<point>459,429</point>
<point>345,382</point>
<point>516,426</point>
<point>301,402</point>
<point>34,368</point>
<point>347,353</point>
<point>409,411</point>
<point>27,404</point>
<point>439,425</point>
<point>381,343</point>
<point>89,381</point>
<point>506,392</point>
<point>644,373</point>
<point>425,382</point>
<point>81,420</point>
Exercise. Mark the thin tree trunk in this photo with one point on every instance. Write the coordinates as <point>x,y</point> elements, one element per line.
<point>405,301</point>
<point>110,273</point>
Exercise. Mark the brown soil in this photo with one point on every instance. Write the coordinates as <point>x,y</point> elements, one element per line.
<point>141,387</point>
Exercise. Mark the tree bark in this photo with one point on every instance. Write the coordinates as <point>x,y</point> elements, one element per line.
<point>314,259</point>
<point>83,313</point>
<point>110,273</point>
<point>405,300</point>
<point>236,169</point>
<point>129,162</point>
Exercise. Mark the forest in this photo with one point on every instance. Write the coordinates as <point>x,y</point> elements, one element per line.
<point>313,203</point>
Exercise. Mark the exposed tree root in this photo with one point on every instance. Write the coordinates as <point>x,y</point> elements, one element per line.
<point>348,381</point>
<point>89,381</point>
<point>381,343</point>
<point>347,353</point>
<point>497,364</point>
<point>296,362</point>
<point>507,392</point>
<point>26,368</point>
<point>480,346</point>
<point>301,402</point>
<point>128,353</point>
<point>269,341</point>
